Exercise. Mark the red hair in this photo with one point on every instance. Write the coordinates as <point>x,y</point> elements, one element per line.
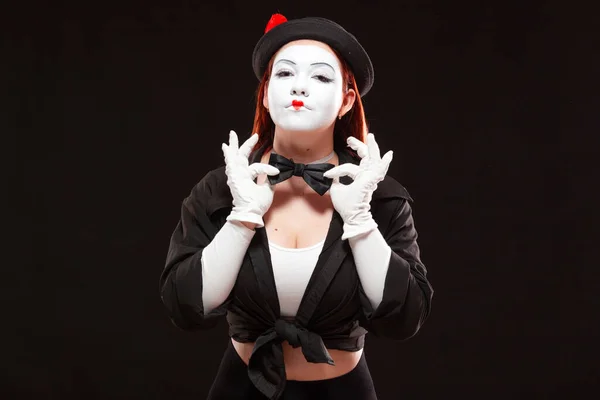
<point>353,123</point>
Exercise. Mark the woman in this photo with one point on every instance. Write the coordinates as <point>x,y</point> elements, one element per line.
<point>301,240</point>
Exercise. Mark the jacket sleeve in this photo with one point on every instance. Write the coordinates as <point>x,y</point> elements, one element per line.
<point>181,280</point>
<point>407,293</point>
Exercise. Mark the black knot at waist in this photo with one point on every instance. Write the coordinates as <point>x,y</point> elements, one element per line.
<point>288,331</point>
<point>266,367</point>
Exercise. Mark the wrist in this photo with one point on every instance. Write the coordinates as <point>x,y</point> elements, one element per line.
<point>361,216</point>
<point>250,220</point>
<point>355,228</point>
<point>249,225</point>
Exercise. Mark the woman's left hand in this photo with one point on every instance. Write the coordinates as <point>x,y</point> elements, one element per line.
<point>352,201</point>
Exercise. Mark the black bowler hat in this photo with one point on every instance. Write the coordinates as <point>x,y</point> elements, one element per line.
<point>280,31</point>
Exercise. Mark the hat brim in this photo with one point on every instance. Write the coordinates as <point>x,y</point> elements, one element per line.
<point>322,30</point>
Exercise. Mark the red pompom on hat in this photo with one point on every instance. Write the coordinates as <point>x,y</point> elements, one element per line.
<point>276,19</point>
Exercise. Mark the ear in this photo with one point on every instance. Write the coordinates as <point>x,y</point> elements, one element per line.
<point>266,96</point>
<point>348,102</point>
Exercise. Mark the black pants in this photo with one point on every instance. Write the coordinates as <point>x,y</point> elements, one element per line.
<point>232,383</point>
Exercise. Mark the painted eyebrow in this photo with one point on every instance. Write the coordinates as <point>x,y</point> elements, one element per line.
<point>317,63</point>
<point>287,61</point>
<point>322,63</point>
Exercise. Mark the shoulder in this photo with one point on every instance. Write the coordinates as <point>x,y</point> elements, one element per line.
<point>390,203</point>
<point>389,189</point>
<point>211,192</point>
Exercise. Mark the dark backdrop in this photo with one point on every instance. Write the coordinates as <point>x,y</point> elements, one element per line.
<point>117,110</point>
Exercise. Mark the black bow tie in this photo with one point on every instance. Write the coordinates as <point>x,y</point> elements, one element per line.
<point>312,173</point>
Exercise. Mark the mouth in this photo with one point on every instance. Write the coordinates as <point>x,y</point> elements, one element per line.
<point>298,105</point>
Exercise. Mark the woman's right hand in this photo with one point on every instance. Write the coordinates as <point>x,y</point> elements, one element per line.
<point>250,200</point>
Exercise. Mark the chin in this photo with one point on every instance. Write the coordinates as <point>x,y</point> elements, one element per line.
<point>302,126</point>
<point>299,129</point>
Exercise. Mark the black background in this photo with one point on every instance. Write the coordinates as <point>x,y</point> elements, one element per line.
<point>117,110</point>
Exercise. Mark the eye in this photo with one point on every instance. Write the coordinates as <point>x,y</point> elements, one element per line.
<point>323,78</point>
<point>283,74</point>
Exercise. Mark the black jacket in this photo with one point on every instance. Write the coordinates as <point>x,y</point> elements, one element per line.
<point>334,313</point>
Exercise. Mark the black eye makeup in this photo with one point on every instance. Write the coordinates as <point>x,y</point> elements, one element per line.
<point>323,78</point>
<point>283,73</point>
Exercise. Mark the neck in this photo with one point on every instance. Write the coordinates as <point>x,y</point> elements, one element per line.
<point>303,147</point>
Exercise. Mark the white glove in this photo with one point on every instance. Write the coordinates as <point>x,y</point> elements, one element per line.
<point>352,201</point>
<point>250,200</point>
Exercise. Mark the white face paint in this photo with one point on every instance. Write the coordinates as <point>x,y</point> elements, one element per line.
<point>310,74</point>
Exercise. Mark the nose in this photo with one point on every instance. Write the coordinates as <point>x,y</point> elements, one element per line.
<point>299,88</point>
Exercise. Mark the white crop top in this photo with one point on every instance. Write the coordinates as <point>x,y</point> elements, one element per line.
<point>292,269</point>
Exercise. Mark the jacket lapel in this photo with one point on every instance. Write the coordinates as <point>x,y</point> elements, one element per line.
<point>260,257</point>
<point>334,252</point>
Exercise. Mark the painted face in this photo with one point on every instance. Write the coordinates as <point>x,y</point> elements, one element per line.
<point>305,88</point>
